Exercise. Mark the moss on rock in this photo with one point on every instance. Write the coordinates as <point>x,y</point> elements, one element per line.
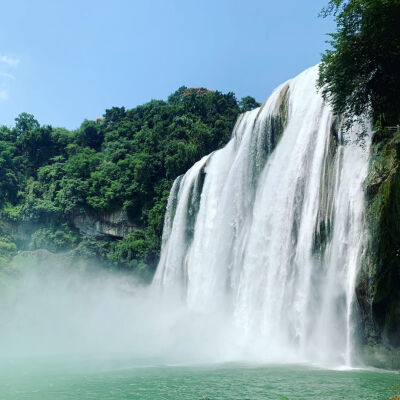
<point>378,288</point>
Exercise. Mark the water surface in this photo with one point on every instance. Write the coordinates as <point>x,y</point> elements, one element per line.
<point>123,379</point>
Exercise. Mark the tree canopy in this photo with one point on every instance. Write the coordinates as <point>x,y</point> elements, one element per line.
<point>126,160</point>
<point>360,74</point>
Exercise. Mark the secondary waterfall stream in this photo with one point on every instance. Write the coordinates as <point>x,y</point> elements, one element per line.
<point>268,231</point>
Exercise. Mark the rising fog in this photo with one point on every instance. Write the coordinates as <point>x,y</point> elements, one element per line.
<point>54,308</point>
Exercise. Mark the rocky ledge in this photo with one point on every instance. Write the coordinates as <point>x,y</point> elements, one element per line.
<point>115,224</point>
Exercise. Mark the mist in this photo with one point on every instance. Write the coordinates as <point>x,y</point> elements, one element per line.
<point>52,308</point>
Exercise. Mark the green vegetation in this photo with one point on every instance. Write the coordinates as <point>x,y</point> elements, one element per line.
<point>7,250</point>
<point>360,74</point>
<point>124,161</point>
<point>54,238</point>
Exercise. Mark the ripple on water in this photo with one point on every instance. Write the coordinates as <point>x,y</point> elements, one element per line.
<point>106,380</point>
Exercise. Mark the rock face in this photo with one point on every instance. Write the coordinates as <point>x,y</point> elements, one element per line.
<point>21,232</point>
<point>115,224</point>
<point>378,286</point>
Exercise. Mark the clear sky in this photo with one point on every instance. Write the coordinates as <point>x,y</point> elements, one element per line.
<point>67,60</point>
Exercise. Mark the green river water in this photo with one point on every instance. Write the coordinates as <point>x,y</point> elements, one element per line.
<point>124,379</point>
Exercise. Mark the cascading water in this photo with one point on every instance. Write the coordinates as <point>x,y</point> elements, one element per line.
<point>269,230</point>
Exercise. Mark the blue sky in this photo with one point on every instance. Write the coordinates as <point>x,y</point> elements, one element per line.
<point>67,60</point>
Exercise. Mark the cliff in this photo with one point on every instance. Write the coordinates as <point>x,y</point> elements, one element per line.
<point>115,224</point>
<point>378,287</point>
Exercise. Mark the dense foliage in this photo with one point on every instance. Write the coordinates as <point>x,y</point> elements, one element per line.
<point>126,160</point>
<point>360,74</point>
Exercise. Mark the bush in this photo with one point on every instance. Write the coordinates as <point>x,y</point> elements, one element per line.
<point>8,249</point>
<point>55,238</point>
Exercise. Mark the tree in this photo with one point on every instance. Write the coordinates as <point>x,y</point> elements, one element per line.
<point>248,103</point>
<point>8,175</point>
<point>25,123</point>
<point>90,135</point>
<point>360,74</point>
<point>113,115</point>
<point>34,144</point>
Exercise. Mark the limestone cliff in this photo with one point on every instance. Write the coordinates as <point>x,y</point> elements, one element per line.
<point>378,287</point>
<point>115,224</point>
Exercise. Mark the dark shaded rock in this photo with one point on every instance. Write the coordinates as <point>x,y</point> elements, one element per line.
<point>380,356</point>
<point>115,224</point>
<point>378,286</point>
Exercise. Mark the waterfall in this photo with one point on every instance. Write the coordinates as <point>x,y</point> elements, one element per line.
<point>269,229</point>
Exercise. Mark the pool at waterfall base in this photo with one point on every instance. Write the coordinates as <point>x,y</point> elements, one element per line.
<point>126,379</point>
